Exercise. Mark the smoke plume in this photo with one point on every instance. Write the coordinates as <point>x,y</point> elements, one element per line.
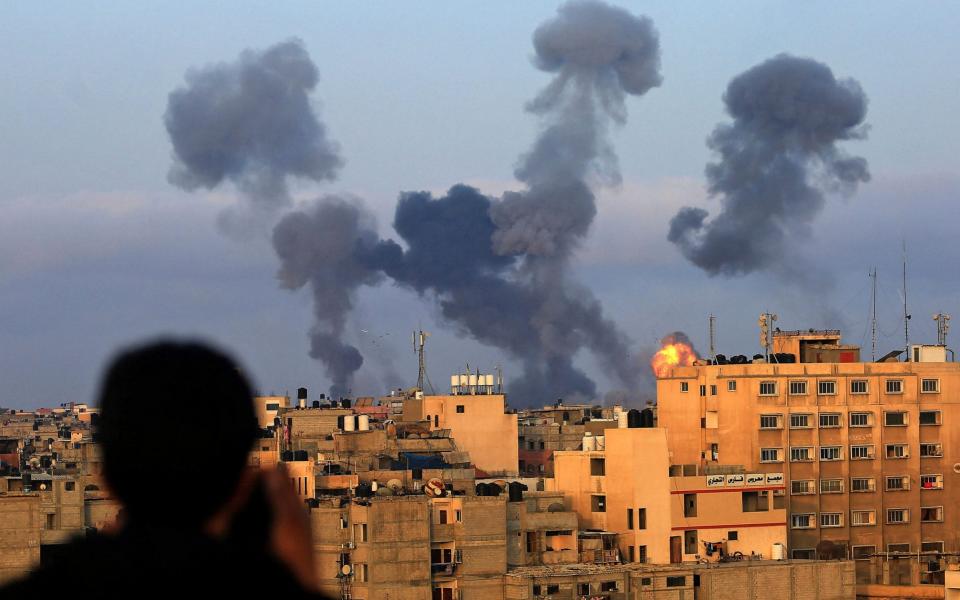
<point>319,246</point>
<point>250,122</point>
<point>777,160</point>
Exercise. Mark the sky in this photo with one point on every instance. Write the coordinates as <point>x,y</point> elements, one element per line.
<point>98,250</point>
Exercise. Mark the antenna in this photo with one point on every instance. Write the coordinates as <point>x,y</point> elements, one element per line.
<point>873,317</point>
<point>906,316</point>
<point>713,322</point>
<point>765,322</point>
<point>419,342</point>
<point>943,326</point>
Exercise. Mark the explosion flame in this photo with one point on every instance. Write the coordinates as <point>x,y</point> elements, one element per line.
<point>675,350</point>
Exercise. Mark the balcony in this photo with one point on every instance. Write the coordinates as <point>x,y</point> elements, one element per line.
<point>443,569</point>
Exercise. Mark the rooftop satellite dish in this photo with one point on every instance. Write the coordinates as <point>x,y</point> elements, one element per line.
<point>345,570</point>
<point>395,484</point>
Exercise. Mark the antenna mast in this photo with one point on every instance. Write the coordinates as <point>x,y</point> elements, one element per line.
<point>419,341</point>
<point>713,353</point>
<point>873,317</point>
<point>943,326</point>
<point>906,316</point>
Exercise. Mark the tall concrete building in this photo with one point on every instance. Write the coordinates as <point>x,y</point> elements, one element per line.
<point>870,450</point>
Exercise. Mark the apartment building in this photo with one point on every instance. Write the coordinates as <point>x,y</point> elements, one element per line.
<point>20,525</point>
<point>870,451</point>
<point>543,431</point>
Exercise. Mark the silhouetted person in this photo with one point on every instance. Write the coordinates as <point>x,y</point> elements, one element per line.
<point>176,425</point>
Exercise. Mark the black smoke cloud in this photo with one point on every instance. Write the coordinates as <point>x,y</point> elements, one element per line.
<point>320,247</point>
<point>250,122</point>
<point>777,160</point>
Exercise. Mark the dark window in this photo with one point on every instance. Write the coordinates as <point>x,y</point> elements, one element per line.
<point>713,390</point>
<point>459,408</point>
<point>641,554</point>
<point>690,507</point>
<point>598,503</point>
<point>629,518</point>
<point>597,466</point>
<point>631,551</point>
<point>646,581</point>
<point>703,390</point>
<point>732,536</point>
<point>929,417</point>
<point>608,586</point>
<point>583,589</point>
<point>553,589</point>
<point>690,541</point>
<point>541,445</point>
<point>443,517</point>
<point>70,486</point>
<point>642,520</point>
<point>536,590</point>
<point>676,581</point>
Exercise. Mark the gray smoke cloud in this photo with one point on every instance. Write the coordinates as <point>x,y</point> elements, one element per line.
<point>319,247</point>
<point>777,160</point>
<point>250,122</point>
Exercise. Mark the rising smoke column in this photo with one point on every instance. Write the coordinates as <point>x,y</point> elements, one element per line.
<point>777,159</point>
<point>319,247</point>
<point>499,269</point>
<point>250,122</point>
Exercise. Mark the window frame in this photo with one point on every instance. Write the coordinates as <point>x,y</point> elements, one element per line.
<point>778,418</point>
<point>866,386</point>
<point>904,485</point>
<point>777,451</point>
<point>899,385</point>
<point>805,416</point>
<point>889,413</point>
<point>938,452</point>
<point>768,383</point>
<point>936,507</point>
<point>830,415</point>
<point>810,517</point>
<point>870,449</point>
<point>831,449</point>
<point>839,482</point>
<point>871,522</point>
<point>809,488</point>
<point>837,515</point>
<point>684,387</point>
<point>905,513</point>
<point>923,385</point>
<point>937,420</point>
<point>871,487</point>
<point>800,385</point>
<point>809,453</point>
<point>832,383</point>
<point>937,480</point>
<point>732,385</point>
<point>905,455</point>
<point>868,415</point>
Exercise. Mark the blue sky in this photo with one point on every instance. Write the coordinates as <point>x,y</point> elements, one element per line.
<point>97,249</point>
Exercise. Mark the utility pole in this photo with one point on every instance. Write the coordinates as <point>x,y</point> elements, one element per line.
<point>873,317</point>
<point>906,316</point>
<point>713,324</point>
<point>419,341</point>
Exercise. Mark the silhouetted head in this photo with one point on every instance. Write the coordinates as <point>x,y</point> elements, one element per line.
<point>176,424</point>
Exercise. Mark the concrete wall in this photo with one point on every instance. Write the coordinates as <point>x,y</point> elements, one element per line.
<point>483,429</point>
<point>20,523</point>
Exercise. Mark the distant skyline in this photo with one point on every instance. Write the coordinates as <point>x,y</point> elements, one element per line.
<point>97,249</point>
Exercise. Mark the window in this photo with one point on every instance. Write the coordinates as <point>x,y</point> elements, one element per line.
<point>676,581</point>
<point>798,388</point>
<point>684,387</point>
<point>827,388</point>
<point>732,385</point>
<point>895,419</point>
<point>829,453</point>
<point>553,588</point>
<point>803,521</point>
<point>713,390</point>
<point>894,386</point>
<point>755,501</point>
<point>51,521</point>
<point>929,386</point>
<point>831,486</point>
<point>459,515</point>
<point>273,406</point>
<point>801,454</point>
<point>646,581</point>
<point>442,517</point>
<point>858,386</point>
<point>630,519</point>
<point>931,482</point>
<point>598,503</point>
<point>597,466</point>
<point>771,421</point>
<point>804,554</point>
<point>446,593</point>
<point>898,451</point>
<point>70,486</point>
<point>897,516</point>
<point>360,532</point>
<point>768,388</point>
<point>642,520</point>
<point>583,589</point>
<point>831,519</point>
<point>800,487</point>
<point>898,548</point>
<point>931,450</point>
<point>930,417</point>
<point>799,421</point>
<point>608,586</point>
<point>897,483</point>
<point>863,518</point>
<point>703,390</point>
<point>861,452</point>
<point>733,536</point>
<point>863,552</point>
<point>768,455</point>
<point>862,484</point>
<point>931,514</point>
<point>931,547</point>
<point>690,541</point>
<point>460,408</point>
<point>828,420</point>
<point>861,419</point>
<point>641,554</point>
<point>690,507</point>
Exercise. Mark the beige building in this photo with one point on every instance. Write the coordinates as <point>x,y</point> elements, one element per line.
<point>268,407</point>
<point>479,423</point>
<point>870,451</point>
<point>541,530</point>
<point>20,526</point>
<point>625,488</point>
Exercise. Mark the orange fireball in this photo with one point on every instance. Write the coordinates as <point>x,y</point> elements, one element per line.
<point>672,352</point>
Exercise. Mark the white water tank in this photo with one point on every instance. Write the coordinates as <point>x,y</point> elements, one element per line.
<point>622,420</point>
<point>601,442</point>
<point>349,422</point>
<point>778,552</point>
<point>363,422</point>
<point>589,442</point>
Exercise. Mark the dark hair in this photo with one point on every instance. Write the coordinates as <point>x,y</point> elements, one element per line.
<point>176,425</point>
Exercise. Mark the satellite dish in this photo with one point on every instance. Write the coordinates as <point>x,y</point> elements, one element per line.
<point>43,486</point>
<point>395,484</point>
<point>345,570</point>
